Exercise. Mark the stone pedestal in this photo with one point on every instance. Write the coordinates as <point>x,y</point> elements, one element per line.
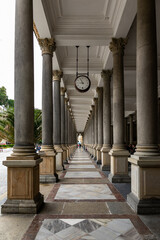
<point>23,185</point>
<point>59,158</point>
<point>98,154</point>
<point>48,167</point>
<point>119,166</point>
<point>145,185</point>
<point>105,158</point>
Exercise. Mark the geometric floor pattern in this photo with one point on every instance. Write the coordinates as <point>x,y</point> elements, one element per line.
<point>84,191</point>
<point>84,205</point>
<point>91,229</point>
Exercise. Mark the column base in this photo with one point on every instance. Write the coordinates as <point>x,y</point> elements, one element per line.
<point>23,206</point>
<point>119,166</point>
<point>119,178</point>
<point>49,178</point>
<point>145,184</point>
<point>98,154</point>
<point>105,158</point>
<point>105,168</point>
<point>145,206</point>
<point>48,167</point>
<point>23,185</point>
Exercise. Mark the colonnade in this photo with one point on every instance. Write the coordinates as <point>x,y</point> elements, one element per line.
<point>26,168</point>
<point>145,163</point>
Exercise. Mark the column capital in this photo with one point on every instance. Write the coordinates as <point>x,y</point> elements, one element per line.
<point>57,75</point>
<point>106,74</point>
<point>117,45</point>
<point>95,100</point>
<point>63,90</point>
<point>66,100</point>
<point>92,106</point>
<point>48,45</point>
<point>98,89</point>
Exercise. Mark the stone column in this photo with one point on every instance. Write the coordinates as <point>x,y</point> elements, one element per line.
<point>93,130</point>
<point>48,166</point>
<point>23,165</point>
<point>57,75</point>
<point>145,186</point>
<point>125,131</point>
<point>119,154</point>
<point>106,76</point>
<point>66,127</point>
<point>131,128</point>
<point>63,90</point>
<point>100,123</point>
<point>96,127</point>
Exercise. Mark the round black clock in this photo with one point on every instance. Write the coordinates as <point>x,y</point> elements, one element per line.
<point>82,83</point>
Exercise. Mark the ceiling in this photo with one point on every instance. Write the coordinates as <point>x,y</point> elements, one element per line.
<point>89,23</point>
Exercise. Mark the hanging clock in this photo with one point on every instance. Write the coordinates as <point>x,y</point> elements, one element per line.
<point>82,81</point>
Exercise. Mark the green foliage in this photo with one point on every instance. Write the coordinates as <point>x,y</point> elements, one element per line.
<point>7,125</point>
<point>37,126</point>
<point>7,146</point>
<point>3,96</point>
<point>10,103</point>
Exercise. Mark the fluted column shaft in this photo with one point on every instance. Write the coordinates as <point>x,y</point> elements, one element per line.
<point>57,75</point>
<point>106,75</point>
<point>119,154</point>
<point>147,113</point>
<point>47,47</point>
<point>117,48</point>
<point>66,121</point>
<point>24,79</point>
<point>100,115</point>
<point>100,123</point>
<point>62,116</point>
<point>131,129</point>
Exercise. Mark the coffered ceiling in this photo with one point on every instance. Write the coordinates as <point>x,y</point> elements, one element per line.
<point>89,23</point>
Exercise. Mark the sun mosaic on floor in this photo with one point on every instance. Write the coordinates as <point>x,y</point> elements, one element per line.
<point>91,210</point>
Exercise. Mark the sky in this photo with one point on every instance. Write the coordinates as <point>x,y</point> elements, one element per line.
<point>7,26</point>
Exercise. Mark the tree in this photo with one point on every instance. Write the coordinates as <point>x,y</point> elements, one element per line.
<point>3,96</point>
<point>37,126</point>
<point>7,125</point>
<point>10,103</point>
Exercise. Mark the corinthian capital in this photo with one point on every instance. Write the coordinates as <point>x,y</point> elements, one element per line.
<point>106,74</point>
<point>117,45</point>
<point>57,75</point>
<point>63,90</point>
<point>48,46</point>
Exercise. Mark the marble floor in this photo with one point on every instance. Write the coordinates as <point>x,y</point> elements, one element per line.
<point>84,191</point>
<point>91,229</point>
<point>84,205</point>
<point>81,166</point>
<point>82,175</point>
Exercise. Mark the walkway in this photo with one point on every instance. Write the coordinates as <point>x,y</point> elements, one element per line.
<point>85,205</point>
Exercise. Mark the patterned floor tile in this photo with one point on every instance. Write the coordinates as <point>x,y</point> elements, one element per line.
<point>84,191</point>
<point>88,229</point>
<point>82,175</point>
<point>70,233</point>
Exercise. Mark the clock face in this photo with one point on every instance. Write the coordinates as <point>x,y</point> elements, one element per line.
<point>82,83</point>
